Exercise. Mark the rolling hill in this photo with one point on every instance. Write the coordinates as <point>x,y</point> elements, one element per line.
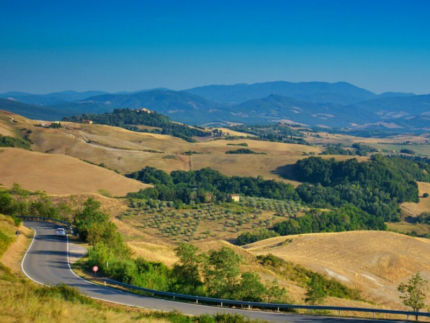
<point>373,261</point>
<point>60,174</point>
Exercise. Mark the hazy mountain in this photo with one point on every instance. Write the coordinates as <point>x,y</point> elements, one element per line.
<point>51,113</point>
<point>50,98</point>
<point>277,107</point>
<point>394,94</point>
<point>317,92</point>
<point>31,111</point>
<point>179,106</point>
<point>391,106</point>
<point>312,103</point>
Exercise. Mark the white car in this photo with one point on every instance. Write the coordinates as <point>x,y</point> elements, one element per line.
<point>60,232</point>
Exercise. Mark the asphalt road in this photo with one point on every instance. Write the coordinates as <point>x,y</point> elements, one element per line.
<point>47,262</point>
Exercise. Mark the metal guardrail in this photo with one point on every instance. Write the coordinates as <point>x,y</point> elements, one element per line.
<point>68,225</point>
<point>278,307</point>
<point>222,302</point>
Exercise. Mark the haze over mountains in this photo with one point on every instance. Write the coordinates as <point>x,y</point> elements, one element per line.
<point>333,105</point>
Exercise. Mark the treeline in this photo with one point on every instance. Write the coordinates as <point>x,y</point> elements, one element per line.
<point>345,218</point>
<point>6,141</point>
<point>357,149</point>
<point>129,119</point>
<point>277,133</point>
<point>250,237</point>
<point>18,201</point>
<point>244,151</point>
<point>377,186</point>
<point>207,185</point>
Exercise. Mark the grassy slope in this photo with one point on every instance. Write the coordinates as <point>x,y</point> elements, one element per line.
<point>415,209</point>
<point>374,262</point>
<point>58,174</point>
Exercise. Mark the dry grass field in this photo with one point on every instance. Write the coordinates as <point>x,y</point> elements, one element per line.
<point>415,209</point>
<point>329,138</point>
<point>59,174</point>
<point>128,151</point>
<point>374,262</point>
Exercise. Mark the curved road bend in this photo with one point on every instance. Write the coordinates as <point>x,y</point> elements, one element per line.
<point>46,262</point>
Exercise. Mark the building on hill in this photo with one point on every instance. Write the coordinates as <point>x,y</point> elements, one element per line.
<point>45,124</point>
<point>87,121</point>
<point>235,197</point>
<point>144,110</point>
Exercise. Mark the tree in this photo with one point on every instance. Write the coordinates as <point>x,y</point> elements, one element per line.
<point>414,292</point>
<point>426,195</point>
<point>275,293</point>
<point>315,293</point>
<point>251,288</point>
<point>222,272</point>
<point>187,270</point>
<point>20,196</point>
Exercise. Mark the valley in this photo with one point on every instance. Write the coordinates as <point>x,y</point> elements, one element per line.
<point>93,159</point>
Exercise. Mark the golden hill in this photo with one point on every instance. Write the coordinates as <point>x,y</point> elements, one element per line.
<point>59,174</point>
<point>375,262</point>
<point>128,151</point>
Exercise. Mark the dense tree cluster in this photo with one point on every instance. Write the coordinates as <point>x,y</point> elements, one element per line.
<point>130,119</point>
<point>407,151</point>
<point>357,149</point>
<point>278,133</point>
<point>337,150</point>
<point>205,184</point>
<point>250,237</point>
<point>346,218</point>
<point>243,151</point>
<point>377,186</point>
<point>6,141</point>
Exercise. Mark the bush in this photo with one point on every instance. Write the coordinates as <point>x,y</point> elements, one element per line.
<point>65,292</point>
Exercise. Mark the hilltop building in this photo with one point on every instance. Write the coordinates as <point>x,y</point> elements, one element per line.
<point>144,110</point>
<point>235,197</point>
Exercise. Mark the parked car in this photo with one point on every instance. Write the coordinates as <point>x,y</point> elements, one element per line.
<point>60,232</point>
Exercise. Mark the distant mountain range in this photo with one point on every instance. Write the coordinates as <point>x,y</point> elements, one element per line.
<point>336,105</point>
<point>49,99</point>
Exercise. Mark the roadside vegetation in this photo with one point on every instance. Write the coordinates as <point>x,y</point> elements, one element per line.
<point>215,273</point>
<point>24,301</point>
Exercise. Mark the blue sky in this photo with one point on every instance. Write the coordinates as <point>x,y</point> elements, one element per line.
<point>48,46</point>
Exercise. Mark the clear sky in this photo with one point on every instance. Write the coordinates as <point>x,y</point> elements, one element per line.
<point>127,45</point>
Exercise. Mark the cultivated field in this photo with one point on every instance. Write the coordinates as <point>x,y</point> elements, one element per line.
<point>59,174</point>
<point>206,222</point>
<point>374,262</point>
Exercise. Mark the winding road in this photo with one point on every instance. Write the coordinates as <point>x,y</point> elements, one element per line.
<point>47,262</point>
